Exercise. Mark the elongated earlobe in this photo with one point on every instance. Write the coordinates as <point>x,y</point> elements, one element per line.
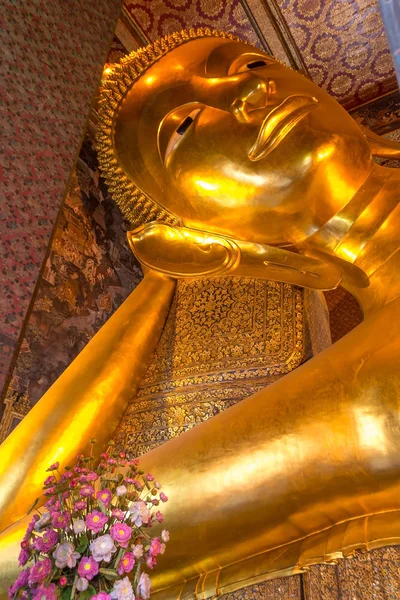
<point>380,146</point>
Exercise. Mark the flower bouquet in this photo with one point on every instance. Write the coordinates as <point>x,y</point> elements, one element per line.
<point>92,539</point>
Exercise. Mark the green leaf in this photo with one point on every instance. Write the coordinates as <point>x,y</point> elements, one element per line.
<point>87,593</point>
<point>33,506</point>
<point>66,593</point>
<point>109,573</point>
<point>84,543</point>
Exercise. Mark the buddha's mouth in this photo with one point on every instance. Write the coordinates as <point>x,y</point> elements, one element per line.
<point>279,122</point>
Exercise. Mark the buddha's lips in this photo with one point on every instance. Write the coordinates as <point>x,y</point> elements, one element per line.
<point>279,122</point>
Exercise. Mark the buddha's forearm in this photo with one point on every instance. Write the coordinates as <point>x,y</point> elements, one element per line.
<point>87,401</point>
<point>318,447</point>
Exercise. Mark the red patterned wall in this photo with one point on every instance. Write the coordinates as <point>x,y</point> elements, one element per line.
<point>52,57</point>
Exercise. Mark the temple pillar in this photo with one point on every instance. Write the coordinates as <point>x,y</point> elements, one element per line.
<point>53,53</point>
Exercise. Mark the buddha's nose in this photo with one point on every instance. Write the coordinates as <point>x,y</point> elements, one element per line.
<point>255,94</point>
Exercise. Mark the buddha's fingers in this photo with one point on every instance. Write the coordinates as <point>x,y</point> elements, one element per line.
<point>87,401</point>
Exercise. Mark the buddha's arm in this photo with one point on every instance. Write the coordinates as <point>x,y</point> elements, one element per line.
<point>318,447</point>
<point>87,401</point>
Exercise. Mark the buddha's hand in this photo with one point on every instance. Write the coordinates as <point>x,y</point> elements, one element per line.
<point>183,252</point>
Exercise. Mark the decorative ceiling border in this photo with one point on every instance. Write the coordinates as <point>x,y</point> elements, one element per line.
<point>381,115</point>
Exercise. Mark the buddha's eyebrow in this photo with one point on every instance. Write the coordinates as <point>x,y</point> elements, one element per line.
<point>220,58</point>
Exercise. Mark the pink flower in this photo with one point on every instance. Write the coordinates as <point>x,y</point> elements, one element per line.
<point>111,461</point>
<point>50,502</point>
<point>121,533</point>
<point>163,497</point>
<point>138,551</point>
<point>50,491</point>
<point>126,563</point>
<point>139,513</point>
<point>102,548</point>
<point>80,505</point>
<point>67,475</point>
<point>88,567</point>
<point>157,485</point>
<point>50,480</point>
<point>82,584</point>
<point>40,571</point>
<point>159,516</point>
<point>65,555</point>
<point>122,590</point>
<point>101,596</point>
<point>60,520</point>
<point>95,521</point>
<point>23,557</point>
<point>31,526</point>
<point>86,490</point>
<point>45,593</point>
<point>47,541</point>
<point>20,582</point>
<point>92,476</point>
<point>144,586</point>
<point>104,496</point>
<point>53,467</point>
<point>151,562</point>
<point>165,535</point>
<point>63,581</point>
<point>118,514</point>
<point>156,547</point>
<point>149,477</point>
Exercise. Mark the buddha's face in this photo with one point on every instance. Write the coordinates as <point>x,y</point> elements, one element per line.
<point>231,141</point>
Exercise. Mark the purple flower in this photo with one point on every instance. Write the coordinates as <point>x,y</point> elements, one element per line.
<point>156,547</point>
<point>149,477</point>
<point>122,590</point>
<point>139,513</point>
<point>50,480</point>
<point>159,516</point>
<point>88,567</point>
<point>31,526</point>
<point>121,533</point>
<point>60,520</point>
<point>40,571</point>
<point>53,467</point>
<point>82,584</point>
<point>144,586</point>
<point>46,543</point>
<point>86,490</point>
<point>45,593</point>
<point>95,521</point>
<point>163,497</point>
<point>80,505</point>
<point>165,535</point>
<point>21,580</point>
<point>23,557</point>
<point>102,548</point>
<point>65,555</point>
<point>151,562</point>
<point>101,596</point>
<point>50,491</point>
<point>126,563</point>
<point>104,496</point>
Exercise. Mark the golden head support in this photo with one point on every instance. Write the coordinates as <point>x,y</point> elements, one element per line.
<point>203,131</point>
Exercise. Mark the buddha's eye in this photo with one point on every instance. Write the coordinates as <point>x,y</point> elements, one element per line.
<point>180,132</point>
<point>255,64</point>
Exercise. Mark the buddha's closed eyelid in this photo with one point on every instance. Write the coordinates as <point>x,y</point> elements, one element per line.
<point>249,62</point>
<point>185,124</point>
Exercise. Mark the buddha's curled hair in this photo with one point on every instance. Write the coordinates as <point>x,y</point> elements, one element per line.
<point>136,206</point>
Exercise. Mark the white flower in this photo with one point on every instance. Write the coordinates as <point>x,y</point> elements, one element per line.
<point>144,586</point>
<point>121,490</point>
<point>79,526</point>
<point>137,551</point>
<point>43,521</point>
<point>165,535</point>
<point>65,555</point>
<point>122,590</point>
<point>139,513</point>
<point>102,548</point>
<point>82,584</point>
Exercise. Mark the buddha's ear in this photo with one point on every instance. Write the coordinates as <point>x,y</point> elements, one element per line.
<point>379,145</point>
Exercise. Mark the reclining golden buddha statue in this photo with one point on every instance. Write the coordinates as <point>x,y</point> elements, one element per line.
<point>229,164</point>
